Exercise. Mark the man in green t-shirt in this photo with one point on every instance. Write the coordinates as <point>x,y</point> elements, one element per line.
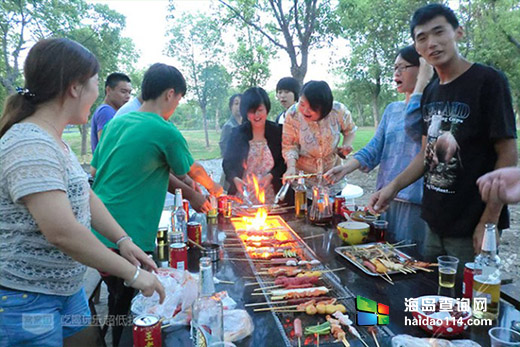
<point>132,166</point>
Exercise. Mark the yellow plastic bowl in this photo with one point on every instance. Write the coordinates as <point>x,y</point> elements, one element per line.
<point>353,232</point>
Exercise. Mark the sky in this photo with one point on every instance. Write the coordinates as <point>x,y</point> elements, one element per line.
<point>146,26</point>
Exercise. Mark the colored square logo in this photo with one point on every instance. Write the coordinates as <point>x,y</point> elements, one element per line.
<point>371,312</point>
<point>364,304</point>
<point>383,309</point>
<point>365,318</point>
<point>383,320</point>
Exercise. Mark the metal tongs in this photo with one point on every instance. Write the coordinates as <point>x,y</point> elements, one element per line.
<point>247,199</point>
<point>280,196</point>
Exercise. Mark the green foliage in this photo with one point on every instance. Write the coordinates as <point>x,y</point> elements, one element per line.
<point>493,37</point>
<point>375,29</point>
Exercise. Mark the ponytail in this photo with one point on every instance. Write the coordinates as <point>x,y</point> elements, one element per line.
<point>51,66</point>
<point>17,108</point>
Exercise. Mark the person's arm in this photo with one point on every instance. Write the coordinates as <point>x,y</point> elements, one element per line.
<point>52,212</point>
<point>380,200</point>
<point>338,172</point>
<point>507,156</point>
<point>290,142</point>
<point>224,138</point>
<point>198,201</point>
<point>348,129</point>
<point>199,175</point>
<point>104,115</point>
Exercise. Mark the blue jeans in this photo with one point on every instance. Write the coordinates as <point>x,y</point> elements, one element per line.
<point>34,319</point>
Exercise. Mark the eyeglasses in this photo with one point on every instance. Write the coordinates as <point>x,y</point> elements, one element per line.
<point>402,68</point>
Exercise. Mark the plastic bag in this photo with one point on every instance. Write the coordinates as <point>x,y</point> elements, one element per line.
<point>237,325</point>
<point>181,292</point>
<point>410,341</point>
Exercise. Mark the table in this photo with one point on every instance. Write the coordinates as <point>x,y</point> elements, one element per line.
<point>406,286</point>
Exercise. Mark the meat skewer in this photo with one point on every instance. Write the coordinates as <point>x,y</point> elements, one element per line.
<point>292,282</point>
<point>336,331</point>
<point>294,302</point>
<point>373,331</point>
<point>298,330</point>
<point>345,320</point>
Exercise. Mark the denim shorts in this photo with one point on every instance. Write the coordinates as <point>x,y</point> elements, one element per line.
<point>33,319</point>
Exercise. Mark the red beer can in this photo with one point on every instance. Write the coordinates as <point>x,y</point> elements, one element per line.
<point>147,331</point>
<point>178,256</point>
<point>222,200</point>
<point>186,207</point>
<point>339,201</point>
<point>467,284</point>
<point>195,232</point>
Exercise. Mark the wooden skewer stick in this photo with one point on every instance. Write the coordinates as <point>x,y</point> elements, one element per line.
<point>383,277</point>
<point>274,308</point>
<point>253,260</point>
<point>283,302</point>
<point>196,244</point>
<point>300,176</point>
<point>345,342</point>
<point>313,236</point>
<point>270,287</point>
<point>375,339</point>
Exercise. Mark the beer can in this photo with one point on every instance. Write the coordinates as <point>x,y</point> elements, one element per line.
<point>162,251</point>
<point>228,209</point>
<point>195,232</point>
<point>175,237</point>
<point>178,256</point>
<point>162,235</point>
<point>221,202</point>
<point>339,201</point>
<point>186,207</point>
<point>467,283</point>
<point>147,331</point>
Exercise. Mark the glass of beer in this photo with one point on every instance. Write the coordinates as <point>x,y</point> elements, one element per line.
<point>504,337</point>
<point>447,270</point>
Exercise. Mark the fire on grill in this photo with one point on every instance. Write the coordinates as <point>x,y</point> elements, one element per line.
<point>287,270</point>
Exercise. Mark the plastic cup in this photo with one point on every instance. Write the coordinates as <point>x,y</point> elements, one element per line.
<point>380,228</point>
<point>504,337</point>
<point>447,270</point>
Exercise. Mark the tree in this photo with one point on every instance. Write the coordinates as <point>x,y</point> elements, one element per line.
<point>250,60</point>
<point>196,41</point>
<point>96,26</point>
<point>294,27</point>
<point>375,29</point>
<point>494,27</point>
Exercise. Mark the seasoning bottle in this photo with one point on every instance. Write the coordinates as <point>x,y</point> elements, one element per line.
<point>207,324</point>
<point>179,217</point>
<point>486,280</point>
<point>300,197</point>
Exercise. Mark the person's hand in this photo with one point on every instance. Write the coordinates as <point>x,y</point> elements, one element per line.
<point>200,203</point>
<point>239,184</point>
<point>265,181</point>
<point>502,185</point>
<point>135,255</point>
<point>343,151</point>
<point>291,171</point>
<point>216,189</point>
<point>148,283</point>
<point>380,200</point>
<point>423,76</point>
<point>335,174</point>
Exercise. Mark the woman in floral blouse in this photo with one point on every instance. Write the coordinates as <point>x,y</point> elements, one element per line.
<point>255,149</point>
<point>312,131</point>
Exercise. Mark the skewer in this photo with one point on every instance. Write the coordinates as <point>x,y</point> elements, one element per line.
<point>270,287</point>
<point>253,260</point>
<point>375,338</point>
<point>300,176</point>
<point>345,342</point>
<point>313,236</point>
<point>324,271</point>
<point>282,302</point>
<point>388,280</point>
<point>318,341</point>
<point>196,244</point>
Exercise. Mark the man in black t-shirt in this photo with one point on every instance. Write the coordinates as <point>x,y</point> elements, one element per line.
<point>468,130</point>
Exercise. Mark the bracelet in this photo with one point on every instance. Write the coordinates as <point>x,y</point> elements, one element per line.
<point>123,238</point>
<point>132,281</point>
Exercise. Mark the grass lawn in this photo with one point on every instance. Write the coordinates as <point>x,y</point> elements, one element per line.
<point>197,142</point>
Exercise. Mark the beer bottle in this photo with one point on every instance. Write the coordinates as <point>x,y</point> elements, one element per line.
<point>207,324</point>
<point>486,279</point>
<point>300,197</point>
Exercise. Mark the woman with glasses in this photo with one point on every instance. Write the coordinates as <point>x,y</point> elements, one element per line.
<point>396,142</point>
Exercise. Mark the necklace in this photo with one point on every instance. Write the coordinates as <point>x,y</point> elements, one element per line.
<point>63,145</point>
